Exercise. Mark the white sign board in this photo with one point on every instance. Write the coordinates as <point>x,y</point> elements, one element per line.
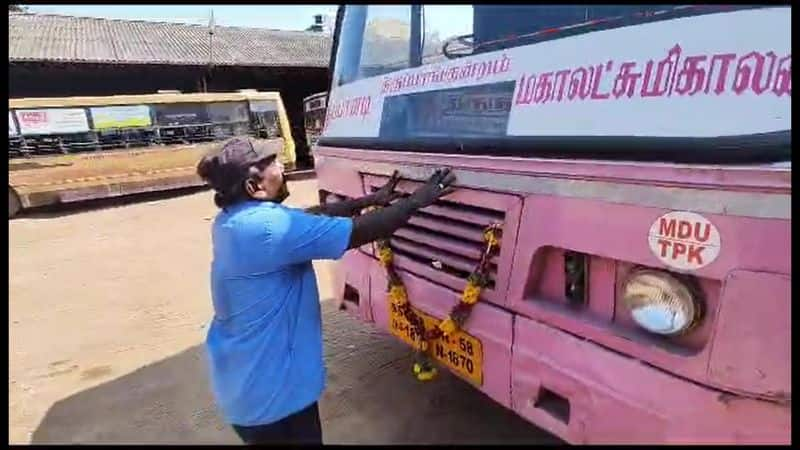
<point>684,77</point>
<point>684,240</point>
<point>12,127</point>
<point>52,121</point>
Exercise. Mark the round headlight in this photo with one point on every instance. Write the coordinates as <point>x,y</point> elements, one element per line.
<point>659,303</point>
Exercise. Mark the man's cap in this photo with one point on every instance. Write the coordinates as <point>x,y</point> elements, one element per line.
<point>229,164</point>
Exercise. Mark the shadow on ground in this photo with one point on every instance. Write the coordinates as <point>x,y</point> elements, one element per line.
<point>371,398</point>
<point>166,402</point>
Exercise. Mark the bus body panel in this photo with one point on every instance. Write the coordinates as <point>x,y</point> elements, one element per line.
<point>721,383</point>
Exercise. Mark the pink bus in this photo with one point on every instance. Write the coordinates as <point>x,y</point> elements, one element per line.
<point>634,161</point>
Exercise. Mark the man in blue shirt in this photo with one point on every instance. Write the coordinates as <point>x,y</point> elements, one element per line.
<point>265,341</point>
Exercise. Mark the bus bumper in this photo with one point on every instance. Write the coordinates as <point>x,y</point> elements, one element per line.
<point>611,398</point>
<point>573,388</point>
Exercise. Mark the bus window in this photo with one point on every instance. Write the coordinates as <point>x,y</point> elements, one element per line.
<point>123,126</point>
<point>228,119</point>
<point>264,122</point>
<point>182,122</point>
<point>179,114</point>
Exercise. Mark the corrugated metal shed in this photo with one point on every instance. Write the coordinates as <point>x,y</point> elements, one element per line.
<point>45,37</point>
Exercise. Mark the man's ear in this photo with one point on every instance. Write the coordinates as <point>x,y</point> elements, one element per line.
<point>250,187</point>
<point>254,190</point>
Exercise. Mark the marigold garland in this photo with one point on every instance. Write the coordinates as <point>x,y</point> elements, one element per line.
<point>423,368</point>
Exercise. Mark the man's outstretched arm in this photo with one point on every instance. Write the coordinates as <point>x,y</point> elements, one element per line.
<point>350,208</point>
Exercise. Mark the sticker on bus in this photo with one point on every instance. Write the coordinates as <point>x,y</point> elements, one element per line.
<point>52,121</point>
<point>684,240</point>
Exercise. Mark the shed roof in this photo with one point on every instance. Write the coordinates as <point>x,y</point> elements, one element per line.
<point>48,37</point>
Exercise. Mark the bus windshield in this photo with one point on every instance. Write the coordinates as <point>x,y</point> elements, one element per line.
<point>498,79</point>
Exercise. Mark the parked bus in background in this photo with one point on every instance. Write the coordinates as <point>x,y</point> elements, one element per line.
<point>79,148</point>
<point>314,107</point>
<point>614,264</point>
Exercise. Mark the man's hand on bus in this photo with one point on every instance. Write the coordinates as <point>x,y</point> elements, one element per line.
<point>438,185</point>
<point>382,223</point>
<point>386,194</point>
<point>347,208</point>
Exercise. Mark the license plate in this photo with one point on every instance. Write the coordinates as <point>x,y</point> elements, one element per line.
<point>460,352</point>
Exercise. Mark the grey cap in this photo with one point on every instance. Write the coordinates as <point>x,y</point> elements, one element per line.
<point>229,164</point>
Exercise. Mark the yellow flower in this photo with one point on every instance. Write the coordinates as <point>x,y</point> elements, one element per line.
<point>397,294</point>
<point>448,326</point>
<point>385,256</point>
<point>490,238</point>
<point>422,374</point>
<point>471,294</point>
<point>427,375</point>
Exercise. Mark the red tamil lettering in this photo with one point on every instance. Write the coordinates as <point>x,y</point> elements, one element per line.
<point>451,75</point>
<point>695,254</point>
<point>664,79</point>
<point>750,71</point>
<point>579,84</point>
<point>562,74</point>
<point>464,72</point>
<point>483,70</point>
<point>626,80</point>
<point>598,74</point>
<point>505,64</point>
<point>783,77</point>
<point>525,90</point>
<point>759,75</point>
<point>725,60</point>
<point>692,77</point>
<point>544,89</point>
<point>367,106</point>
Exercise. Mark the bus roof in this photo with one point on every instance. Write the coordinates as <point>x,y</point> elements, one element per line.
<point>59,102</point>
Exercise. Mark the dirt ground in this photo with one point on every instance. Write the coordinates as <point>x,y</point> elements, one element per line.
<point>108,308</point>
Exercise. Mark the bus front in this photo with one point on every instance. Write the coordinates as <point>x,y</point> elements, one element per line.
<point>633,163</point>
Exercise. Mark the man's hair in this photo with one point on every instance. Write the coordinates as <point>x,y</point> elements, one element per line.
<point>229,186</point>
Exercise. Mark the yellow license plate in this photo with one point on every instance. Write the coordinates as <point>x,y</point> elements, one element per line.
<point>460,352</point>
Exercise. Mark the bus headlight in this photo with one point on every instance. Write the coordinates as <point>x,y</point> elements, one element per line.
<point>660,303</point>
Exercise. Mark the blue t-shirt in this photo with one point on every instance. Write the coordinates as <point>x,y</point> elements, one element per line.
<point>265,342</point>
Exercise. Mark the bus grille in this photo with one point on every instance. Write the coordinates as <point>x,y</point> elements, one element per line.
<point>444,241</point>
